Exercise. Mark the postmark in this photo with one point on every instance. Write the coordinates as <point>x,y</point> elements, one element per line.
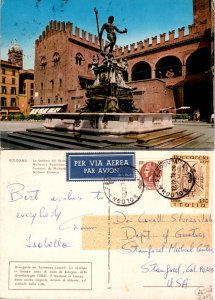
<point>174,178</point>
<point>199,194</point>
<point>124,192</point>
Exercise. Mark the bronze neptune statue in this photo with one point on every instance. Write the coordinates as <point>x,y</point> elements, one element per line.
<point>111,35</point>
<point>110,92</point>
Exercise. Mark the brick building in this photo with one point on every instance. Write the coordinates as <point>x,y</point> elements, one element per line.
<point>17,85</point>
<point>171,71</point>
<point>26,90</point>
<point>62,66</point>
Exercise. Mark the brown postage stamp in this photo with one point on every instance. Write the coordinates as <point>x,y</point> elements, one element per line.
<point>199,194</point>
<point>147,169</point>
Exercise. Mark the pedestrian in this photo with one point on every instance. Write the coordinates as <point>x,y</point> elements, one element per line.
<point>197,115</point>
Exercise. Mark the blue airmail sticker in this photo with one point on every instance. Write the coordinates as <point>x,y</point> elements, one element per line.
<point>97,166</point>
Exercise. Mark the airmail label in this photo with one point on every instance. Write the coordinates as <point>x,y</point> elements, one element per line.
<point>100,166</point>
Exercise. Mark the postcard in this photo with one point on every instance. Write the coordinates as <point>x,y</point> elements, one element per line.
<point>110,212</point>
<point>79,74</point>
<point>106,225</point>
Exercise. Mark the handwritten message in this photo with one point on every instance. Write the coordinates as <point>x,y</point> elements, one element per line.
<point>38,210</point>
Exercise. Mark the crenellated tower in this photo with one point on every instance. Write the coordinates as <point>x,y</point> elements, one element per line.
<point>202,12</point>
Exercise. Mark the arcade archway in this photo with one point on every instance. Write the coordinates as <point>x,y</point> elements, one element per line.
<point>168,66</point>
<point>197,97</point>
<point>199,62</point>
<point>142,70</point>
<point>197,89</point>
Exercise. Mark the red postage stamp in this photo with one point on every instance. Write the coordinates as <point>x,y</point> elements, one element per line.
<point>147,172</point>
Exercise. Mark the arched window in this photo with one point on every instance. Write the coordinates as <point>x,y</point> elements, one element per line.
<point>41,100</point>
<point>41,86</point>
<point>60,82</point>
<point>56,58</point>
<point>168,67</point>
<point>52,84</point>
<point>43,63</point>
<point>79,59</point>
<point>141,70</point>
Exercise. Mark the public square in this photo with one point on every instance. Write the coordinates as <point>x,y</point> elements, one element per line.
<point>204,141</point>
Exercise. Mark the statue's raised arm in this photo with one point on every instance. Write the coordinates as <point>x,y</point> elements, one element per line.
<point>111,35</point>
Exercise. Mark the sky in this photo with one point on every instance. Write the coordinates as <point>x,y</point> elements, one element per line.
<point>24,20</point>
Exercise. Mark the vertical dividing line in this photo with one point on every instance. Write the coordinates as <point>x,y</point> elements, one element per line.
<point>109,246</point>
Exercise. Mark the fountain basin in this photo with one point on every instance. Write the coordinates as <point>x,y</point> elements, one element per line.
<point>110,123</point>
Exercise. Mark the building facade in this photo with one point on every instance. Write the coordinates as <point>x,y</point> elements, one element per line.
<point>182,61</point>
<point>9,87</point>
<point>62,65</point>
<point>17,85</point>
<point>171,71</point>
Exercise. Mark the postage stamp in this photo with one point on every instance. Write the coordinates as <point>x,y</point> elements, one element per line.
<point>123,192</point>
<point>199,194</point>
<point>147,169</point>
<point>174,178</point>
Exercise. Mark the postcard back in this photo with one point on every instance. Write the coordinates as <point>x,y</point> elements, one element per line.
<point>106,225</point>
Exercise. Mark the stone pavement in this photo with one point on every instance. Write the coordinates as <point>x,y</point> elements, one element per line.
<point>11,126</point>
<point>205,141</point>
<point>207,131</point>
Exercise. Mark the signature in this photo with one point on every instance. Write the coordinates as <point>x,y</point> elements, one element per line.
<point>46,242</point>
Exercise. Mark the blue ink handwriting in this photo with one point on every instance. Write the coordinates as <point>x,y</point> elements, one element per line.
<point>17,192</point>
<point>153,267</point>
<point>97,195</point>
<point>46,243</point>
<point>42,213</point>
<point>69,197</point>
<point>71,224</point>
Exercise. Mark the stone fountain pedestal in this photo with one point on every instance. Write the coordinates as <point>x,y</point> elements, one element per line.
<point>109,123</point>
<point>109,107</point>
